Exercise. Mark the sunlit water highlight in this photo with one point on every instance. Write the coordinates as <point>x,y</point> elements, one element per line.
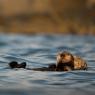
<point>39,51</point>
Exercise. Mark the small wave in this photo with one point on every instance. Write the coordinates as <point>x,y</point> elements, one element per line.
<point>39,51</point>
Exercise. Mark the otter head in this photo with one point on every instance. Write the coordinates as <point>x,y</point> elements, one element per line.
<point>65,59</point>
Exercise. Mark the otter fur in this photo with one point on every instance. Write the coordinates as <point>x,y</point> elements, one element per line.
<point>67,59</point>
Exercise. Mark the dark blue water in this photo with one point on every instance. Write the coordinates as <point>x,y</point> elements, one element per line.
<point>39,51</point>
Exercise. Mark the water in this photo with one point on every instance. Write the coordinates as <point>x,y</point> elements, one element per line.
<point>39,51</point>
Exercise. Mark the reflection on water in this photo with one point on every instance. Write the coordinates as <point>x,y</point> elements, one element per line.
<point>40,51</point>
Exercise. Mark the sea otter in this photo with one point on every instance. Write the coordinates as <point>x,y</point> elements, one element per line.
<point>67,59</point>
<point>65,62</point>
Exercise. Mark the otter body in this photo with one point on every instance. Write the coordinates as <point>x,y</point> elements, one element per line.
<point>65,62</point>
<point>52,67</point>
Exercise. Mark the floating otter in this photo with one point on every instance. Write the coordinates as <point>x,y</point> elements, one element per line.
<point>65,62</point>
<point>67,59</point>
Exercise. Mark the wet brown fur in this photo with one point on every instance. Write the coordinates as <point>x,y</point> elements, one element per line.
<point>67,59</point>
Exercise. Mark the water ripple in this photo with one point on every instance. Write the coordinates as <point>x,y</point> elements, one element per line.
<point>40,51</point>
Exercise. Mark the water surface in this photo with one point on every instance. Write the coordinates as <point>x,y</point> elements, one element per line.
<point>40,51</point>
